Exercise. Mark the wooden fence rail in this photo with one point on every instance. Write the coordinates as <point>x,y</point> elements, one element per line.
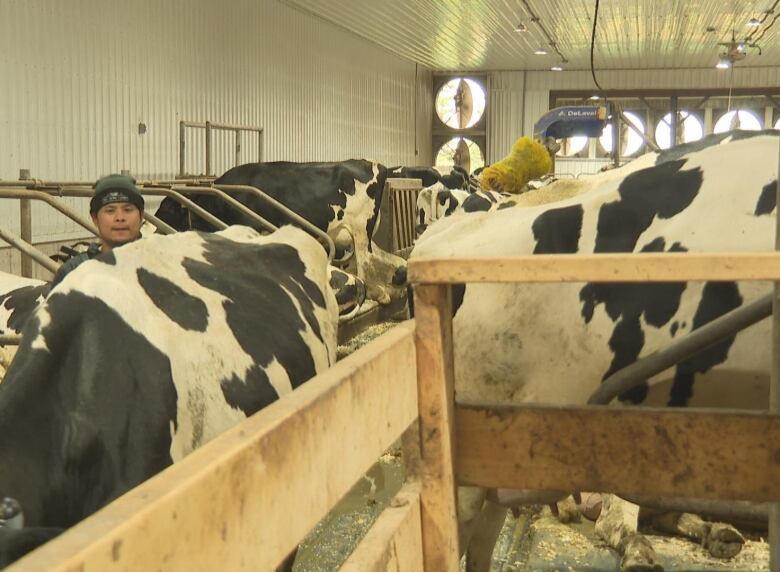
<point>244,500</point>
<point>715,455</point>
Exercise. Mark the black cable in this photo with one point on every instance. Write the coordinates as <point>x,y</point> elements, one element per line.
<point>766,15</point>
<point>592,45</point>
<point>761,35</point>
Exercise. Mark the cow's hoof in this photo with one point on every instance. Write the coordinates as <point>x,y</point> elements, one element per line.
<point>638,555</point>
<point>723,541</point>
<point>568,511</point>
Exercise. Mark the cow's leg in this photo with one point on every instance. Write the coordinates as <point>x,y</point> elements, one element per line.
<point>479,554</point>
<point>720,539</point>
<point>287,564</point>
<point>470,501</point>
<point>617,526</point>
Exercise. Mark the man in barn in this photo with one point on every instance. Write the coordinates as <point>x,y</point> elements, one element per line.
<point>117,210</point>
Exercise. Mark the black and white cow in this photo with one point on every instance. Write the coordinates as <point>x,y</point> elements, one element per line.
<point>715,195</point>
<point>437,201</point>
<point>450,177</point>
<point>19,297</point>
<point>340,198</point>
<point>142,355</point>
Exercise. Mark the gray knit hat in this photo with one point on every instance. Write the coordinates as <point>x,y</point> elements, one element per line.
<point>115,189</point>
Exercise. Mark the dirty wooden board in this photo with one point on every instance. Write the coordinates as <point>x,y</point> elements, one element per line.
<point>634,267</point>
<point>726,455</point>
<point>435,379</point>
<point>244,500</point>
<point>394,542</point>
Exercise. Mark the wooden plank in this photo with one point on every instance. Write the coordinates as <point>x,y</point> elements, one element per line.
<point>704,454</point>
<point>644,267</point>
<point>433,340</point>
<point>244,500</point>
<point>394,542</point>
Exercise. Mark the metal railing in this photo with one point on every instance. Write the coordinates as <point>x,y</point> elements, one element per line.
<point>210,127</point>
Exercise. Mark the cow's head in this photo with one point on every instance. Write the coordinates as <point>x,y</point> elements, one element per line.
<point>350,290</point>
<point>385,276</point>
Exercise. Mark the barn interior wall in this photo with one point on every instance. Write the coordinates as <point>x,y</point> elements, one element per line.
<point>79,77</point>
<point>520,98</point>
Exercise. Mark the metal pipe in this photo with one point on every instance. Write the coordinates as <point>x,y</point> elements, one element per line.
<point>240,207</point>
<point>711,333</point>
<point>25,232</point>
<point>77,191</point>
<point>673,123</point>
<point>182,135</point>
<point>162,227</point>
<point>40,185</point>
<point>223,126</point>
<point>774,399</point>
<point>28,249</point>
<point>44,196</point>
<point>208,148</point>
<point>726,510</point>
<point>644,136</point>
<point>284,209</point>
<point>10,339</point>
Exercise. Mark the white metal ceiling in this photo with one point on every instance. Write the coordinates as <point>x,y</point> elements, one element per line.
<point>631,34</point>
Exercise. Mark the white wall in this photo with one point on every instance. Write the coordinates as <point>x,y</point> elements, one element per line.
<point>520,98</point>
<point>79,75</point>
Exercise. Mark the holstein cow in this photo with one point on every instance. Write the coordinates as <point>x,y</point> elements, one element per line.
<point>142,355</point>
<point>437,201</point>
<point>714,195</point>
<point>340,198</point>
<point>450,177</point>
<point>18,298</point>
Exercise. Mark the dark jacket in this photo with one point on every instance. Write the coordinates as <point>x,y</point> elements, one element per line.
<point>71,264</point>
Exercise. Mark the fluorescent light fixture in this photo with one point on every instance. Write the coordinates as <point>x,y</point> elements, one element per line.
<point>723,64</point>
<point>753,22</point>
<point>557,68</point>
<point>521,28</point>
<point>540,52</point>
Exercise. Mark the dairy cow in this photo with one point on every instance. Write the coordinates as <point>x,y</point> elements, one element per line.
<point>340,198</point>
<point>437,201</point>
<point>715,195</point>
<point>143,354</point>
<point>450,177</point>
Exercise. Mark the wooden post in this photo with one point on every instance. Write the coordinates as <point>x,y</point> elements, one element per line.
<point>774,407</point>
<point>436,396</point>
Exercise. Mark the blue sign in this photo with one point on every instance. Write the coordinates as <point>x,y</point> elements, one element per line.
<point>569,121</point>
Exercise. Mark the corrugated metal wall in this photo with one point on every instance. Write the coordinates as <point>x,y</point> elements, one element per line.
<point>524,96</point>
<point>79,77</point>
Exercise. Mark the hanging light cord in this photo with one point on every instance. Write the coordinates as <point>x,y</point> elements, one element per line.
<point>593,44</point>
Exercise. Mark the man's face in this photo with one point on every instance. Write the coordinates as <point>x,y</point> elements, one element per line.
<point>118,223</point>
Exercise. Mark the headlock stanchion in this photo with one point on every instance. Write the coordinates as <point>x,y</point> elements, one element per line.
<point>28,249</point>
<point>292,215</point>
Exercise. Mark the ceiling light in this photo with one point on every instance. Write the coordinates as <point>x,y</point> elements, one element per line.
<point>741,47</point>
<point>594,98</point>
<point>557,68</point>
<point>521,28</point>
<point>753,22</point>
<point>723,64</point>
<point>540,52</point>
